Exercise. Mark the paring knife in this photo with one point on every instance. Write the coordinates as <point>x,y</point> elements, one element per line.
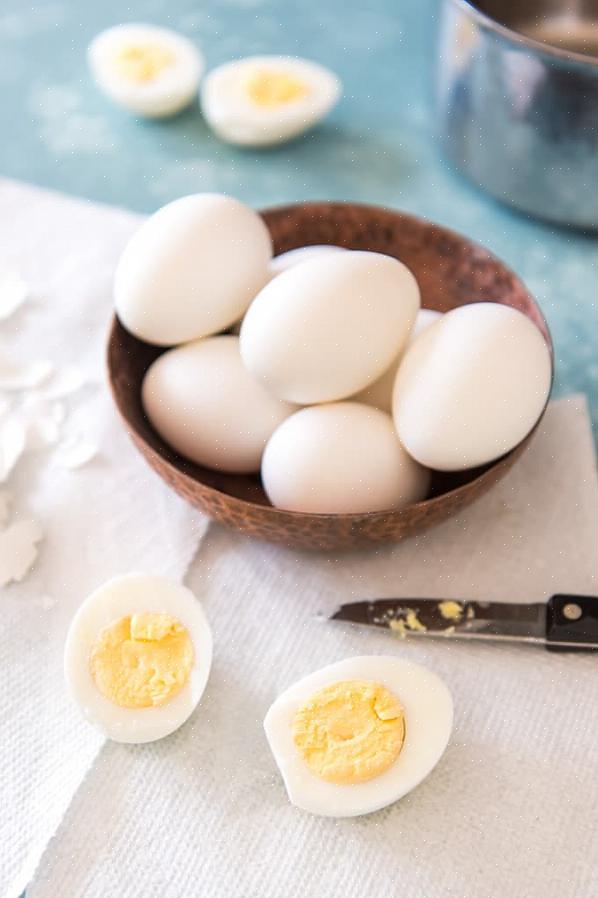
<point>563,623</point>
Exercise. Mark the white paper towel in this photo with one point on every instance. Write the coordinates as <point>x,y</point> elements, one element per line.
<point>111,516</point>
<point>511,810</point>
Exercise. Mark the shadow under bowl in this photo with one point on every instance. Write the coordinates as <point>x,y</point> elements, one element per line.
<point>451,271</point>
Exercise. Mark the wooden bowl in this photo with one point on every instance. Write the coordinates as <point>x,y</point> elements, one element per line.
<point>451,271</point>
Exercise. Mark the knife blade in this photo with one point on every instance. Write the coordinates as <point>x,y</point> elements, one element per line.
<point>564,622</point>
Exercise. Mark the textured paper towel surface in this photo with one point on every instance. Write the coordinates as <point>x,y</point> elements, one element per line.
<point>109,517</point>
<point>511,810</point>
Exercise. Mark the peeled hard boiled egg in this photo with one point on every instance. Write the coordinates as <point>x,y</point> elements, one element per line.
<point>329,326</point>
<point>471,387</point>
<point>358,735</point>
<point>205,404</point>
<point>293,257</point>
<point>263,100</point>
<point>340,458</point>
<point>191,269</point>
<point>151,71</point>
<point>379,393</point>
<point>138,656</point>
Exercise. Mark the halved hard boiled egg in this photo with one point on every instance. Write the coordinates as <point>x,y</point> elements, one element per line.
<point>358,735</point>
<point>264,100</point>
<point>137,657</point>
<point>151,71</point>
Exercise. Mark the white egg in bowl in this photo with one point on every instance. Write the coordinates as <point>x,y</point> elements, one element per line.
<point>200,398</point>
<point>264,100</point>
<point>153,72</point>
<point>340,458</point>
<point>191,269</point>
<point>345,317</point>
<point>360,734</point>
<point>138,656</point>
<point>379,394</point>
<point>301,254</point>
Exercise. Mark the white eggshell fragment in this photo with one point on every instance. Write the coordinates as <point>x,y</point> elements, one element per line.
<point>5,506</point>
<point>379,394</point>
<point>13,442</point>
<point>76,451</point>
<point>265,100</point>
<point>205,404</point>
<point>341,458</point>
<point>18,550</point>
<point>329,326</point>
<point>16,375</point>
<point>471,387</point>
<point>191,269</point>
<point>121,597</point>
<point>428,710</point>
<point>14,291</point>
<point>150,71</point>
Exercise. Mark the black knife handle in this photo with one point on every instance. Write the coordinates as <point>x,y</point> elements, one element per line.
<point>572,620</point>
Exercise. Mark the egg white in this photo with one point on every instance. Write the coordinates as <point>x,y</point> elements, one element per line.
<point>191,269</point>
<point>428,709</point>
<point>170,91</point>
<point>236,119</point>
<point>344,315</point>
<point>293,257</point>
<point>283,261</point>
<point>203,402</point>
<point>379,394</point>
<point>121,597</point>
<point>471,387</point>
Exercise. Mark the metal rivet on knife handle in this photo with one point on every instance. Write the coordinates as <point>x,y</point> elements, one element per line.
<point>572,611</point>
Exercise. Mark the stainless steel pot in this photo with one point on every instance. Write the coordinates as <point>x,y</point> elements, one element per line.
<point>518,102</point>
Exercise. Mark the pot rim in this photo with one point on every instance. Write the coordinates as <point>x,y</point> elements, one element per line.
<point>471,9</point>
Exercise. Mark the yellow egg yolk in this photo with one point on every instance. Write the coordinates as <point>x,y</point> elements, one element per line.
<point>142,661</point>
<point>350,731</point>
<point>267,87</point>
<point>142,62</point>
<point>451,610</point>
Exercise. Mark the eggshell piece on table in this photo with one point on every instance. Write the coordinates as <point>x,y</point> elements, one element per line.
<point>379,394</point>
<point>138,656</point>
<point>328,327</point>
<point>420,696</point>
<point>471,387</point>
<point>191,269</point>
<point>153,72</point>
<point>340,458</point>
<point>265,100</point>
<point>205,404</point>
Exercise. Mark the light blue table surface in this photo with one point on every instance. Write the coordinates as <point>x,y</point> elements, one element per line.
<point>378,145</point>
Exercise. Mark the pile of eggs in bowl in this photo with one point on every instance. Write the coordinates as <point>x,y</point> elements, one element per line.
<point>318,368</point>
